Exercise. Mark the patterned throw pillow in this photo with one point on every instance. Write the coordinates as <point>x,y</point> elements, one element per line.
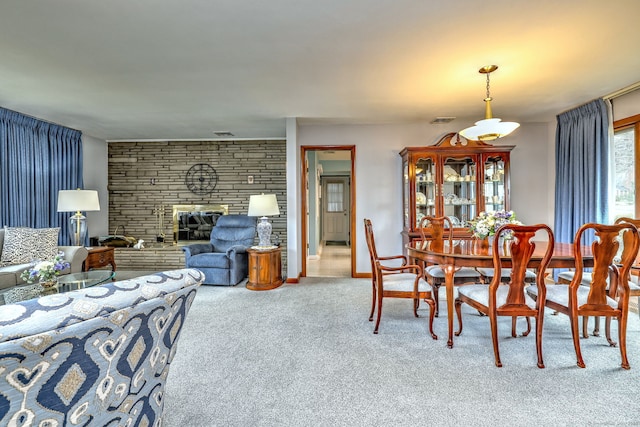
<point>23,245</point>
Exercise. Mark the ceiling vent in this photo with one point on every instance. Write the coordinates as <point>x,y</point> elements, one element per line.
<point>224,134</point>
<point>441,120</point>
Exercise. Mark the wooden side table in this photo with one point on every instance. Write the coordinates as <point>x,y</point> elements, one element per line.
<point>99,256</point>
<point>265,269</point>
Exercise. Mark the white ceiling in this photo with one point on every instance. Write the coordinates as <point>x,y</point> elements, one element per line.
<point>183,69</point>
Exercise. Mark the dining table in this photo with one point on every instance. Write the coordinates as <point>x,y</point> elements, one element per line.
<point>451,256</point>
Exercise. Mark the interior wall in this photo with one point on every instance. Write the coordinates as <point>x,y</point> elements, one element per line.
<point>626,105</point>
<point>378,173</point>
<point>95,175</point>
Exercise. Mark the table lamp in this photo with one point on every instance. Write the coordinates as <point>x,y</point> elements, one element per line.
<point>77,201</point>
<point>263,205</point>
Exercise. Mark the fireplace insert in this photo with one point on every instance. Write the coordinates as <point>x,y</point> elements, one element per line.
<point>192,223</point>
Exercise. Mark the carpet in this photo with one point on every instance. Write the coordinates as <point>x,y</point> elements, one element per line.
<point>304,354</point>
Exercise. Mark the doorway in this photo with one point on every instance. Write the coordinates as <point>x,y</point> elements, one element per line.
<point>328,211</point>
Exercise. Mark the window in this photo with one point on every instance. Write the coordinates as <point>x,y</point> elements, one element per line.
<point>335,197</point>
<point>625,175</point>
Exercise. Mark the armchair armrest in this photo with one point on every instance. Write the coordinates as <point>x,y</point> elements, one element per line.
<point>405,268</point>
<point>75,256</point>
<point>394,257</point>
<point>195,249</point>
<point>236,249</point>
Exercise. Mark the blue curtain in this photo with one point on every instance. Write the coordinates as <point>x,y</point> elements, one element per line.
<point>582,159</point>
<point>38,159</point>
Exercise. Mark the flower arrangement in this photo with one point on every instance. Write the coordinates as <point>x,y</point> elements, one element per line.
<point>45,271</point>
<point>486,223</point>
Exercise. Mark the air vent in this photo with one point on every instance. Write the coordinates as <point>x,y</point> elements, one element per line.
<point>223,134</point>
<point>440,120</point>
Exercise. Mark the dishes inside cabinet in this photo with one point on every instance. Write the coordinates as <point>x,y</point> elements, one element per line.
<point>421,199</point>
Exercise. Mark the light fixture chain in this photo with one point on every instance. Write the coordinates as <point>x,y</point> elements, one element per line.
<point>488,94</point>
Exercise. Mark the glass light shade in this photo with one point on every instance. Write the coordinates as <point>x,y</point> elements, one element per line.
<point>489,129</point>
<point>263,205</point>
<point>77,201</point>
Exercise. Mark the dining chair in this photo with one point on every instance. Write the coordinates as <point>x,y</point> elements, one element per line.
<point>565,277</point>
<point>404,281</point>
<point>508,297</point>
<point>437,231</point>
<point>608,291</point>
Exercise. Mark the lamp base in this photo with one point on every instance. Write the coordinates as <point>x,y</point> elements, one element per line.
<point>77,229</point>
<point>264,232</point>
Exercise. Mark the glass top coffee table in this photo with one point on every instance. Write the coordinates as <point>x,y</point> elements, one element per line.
<point>66,283</point>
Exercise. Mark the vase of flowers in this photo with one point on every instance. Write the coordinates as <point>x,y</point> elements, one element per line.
<point>486,224</point>
<point>46,272</point>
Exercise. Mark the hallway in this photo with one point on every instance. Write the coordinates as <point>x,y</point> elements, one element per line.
<point>335,261</point>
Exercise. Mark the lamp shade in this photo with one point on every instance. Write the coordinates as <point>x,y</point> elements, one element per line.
<point>263,205</point>
<point>489,129</point>
<point>78,200</point>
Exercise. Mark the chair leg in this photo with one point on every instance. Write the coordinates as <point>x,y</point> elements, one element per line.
<point>375,330</point>
<point>575,333</point>
<point>434,291</point>
<point>596,326</point>
<point>585,321</point>
<point>432,312</point>
<point>493,319</point>
<point>622,337</point>
<point>514,332</point>
<point>458,304</point>
<point>539,321</point>
<point>373,303</point>
<point>416,304</point>
<point>607,331</point>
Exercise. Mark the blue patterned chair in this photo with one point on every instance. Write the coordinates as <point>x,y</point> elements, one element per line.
<point>224,260</point>
<point>97,356</point>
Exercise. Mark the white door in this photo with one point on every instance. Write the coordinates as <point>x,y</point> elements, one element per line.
<point>335,209</point>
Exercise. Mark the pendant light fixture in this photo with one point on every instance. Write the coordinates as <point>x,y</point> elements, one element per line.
<point>490,128</point>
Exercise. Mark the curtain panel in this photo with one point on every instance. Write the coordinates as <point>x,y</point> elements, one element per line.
<point>582,159</point>
<point>38,159</point>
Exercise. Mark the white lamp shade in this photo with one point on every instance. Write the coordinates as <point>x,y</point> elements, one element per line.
<point>263,205</point>
<point>489,129</point>
<point>78,200</point>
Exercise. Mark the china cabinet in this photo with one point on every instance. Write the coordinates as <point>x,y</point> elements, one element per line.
<point>455,177</point>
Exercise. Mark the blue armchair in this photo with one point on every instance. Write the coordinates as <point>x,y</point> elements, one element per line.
<point>224,261</point>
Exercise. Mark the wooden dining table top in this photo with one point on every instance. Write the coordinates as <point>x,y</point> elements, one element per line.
<point>477,253</point>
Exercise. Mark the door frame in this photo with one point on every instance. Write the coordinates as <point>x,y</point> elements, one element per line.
<point>303,200</point>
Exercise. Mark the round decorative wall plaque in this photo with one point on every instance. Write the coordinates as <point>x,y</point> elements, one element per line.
<point>201,179</point>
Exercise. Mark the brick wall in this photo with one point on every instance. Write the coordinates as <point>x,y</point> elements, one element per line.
<point>145,175</point>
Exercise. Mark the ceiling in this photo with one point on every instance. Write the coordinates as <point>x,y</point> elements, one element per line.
<point>184,69</point>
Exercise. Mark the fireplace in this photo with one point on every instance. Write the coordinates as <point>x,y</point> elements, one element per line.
<point>193,223</point>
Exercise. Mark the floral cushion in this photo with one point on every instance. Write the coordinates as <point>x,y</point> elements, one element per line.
<point>23,245</point>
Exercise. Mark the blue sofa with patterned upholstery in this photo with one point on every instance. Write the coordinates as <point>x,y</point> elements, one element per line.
<point>224,260</point>
<point>94,357</point>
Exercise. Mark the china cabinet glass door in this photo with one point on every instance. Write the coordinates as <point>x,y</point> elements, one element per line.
<point>459,189</point>
<point>426,184</point>
<point>494,184</point>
